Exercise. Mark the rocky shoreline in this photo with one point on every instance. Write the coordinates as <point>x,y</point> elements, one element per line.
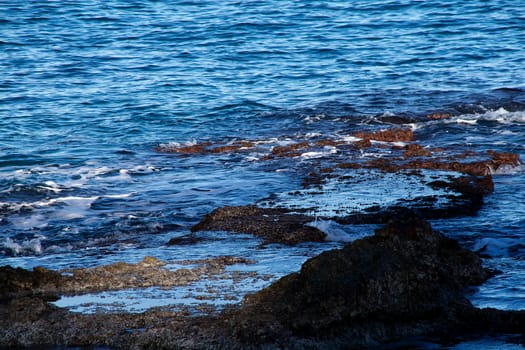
<point>407,280</point>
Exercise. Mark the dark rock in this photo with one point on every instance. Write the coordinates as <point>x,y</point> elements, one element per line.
<point>19,282</point>
<point>407,280</point>
<point>404,118</point>
<point>185,240</point>
<point>273,225</point>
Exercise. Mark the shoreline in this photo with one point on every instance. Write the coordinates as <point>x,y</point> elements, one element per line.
<point>278,315</point>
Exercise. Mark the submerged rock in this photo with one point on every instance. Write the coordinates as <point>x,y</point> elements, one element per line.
<point>49,284</point>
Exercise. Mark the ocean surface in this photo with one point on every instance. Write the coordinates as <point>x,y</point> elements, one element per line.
<point>91,90</point>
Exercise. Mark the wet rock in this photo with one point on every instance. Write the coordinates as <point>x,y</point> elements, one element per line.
<point>328,142</point>
<point>273,225</point>
<point>186,149</point>
<point>494,162</point>
<point>184,240</point>
<point>406,280</point>
<point>404,118</point>
<point>290,150</point>
<point>388,135</point>
<point>439,115</point>
<point>415,150</point>
<point>149,272</point>
<point>206,147</point>
<point>20,282</point>
<point>48,284</point>
<point>362,144</point>
<point>226,149</point>
<point>499,159</point>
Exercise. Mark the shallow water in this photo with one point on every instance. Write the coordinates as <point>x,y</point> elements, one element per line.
<point>89,90</point>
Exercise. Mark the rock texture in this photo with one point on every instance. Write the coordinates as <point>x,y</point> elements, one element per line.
<point>405,281</point>
<point>48,284</point>
<point>273,225</point>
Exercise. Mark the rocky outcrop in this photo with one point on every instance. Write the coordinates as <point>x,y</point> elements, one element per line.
<point>406,280</point>
<point>388,135</point>
<point>48,284</point>
<point>273,225</point>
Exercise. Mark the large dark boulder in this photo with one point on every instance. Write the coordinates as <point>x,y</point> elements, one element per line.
<point>406,280</point>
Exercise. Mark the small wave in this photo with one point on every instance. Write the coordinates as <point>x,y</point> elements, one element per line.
<point>339,233</point>
<point>501,116</point>
<point>499,247</point>
<point>319,154</point>
<point>26,247</point>
<point>507,169</point>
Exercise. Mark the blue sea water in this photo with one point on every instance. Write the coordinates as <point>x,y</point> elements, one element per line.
<point>90,89</point>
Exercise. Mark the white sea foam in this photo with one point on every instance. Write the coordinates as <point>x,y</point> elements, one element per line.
<point>311,135</point>
<point>496,247</point>
<point>328,150</point>
<point>350,139</point>
<point>339,233</point>
<point>505,117</point>
<point>32,246</point>
<point>507,169</point>
<point>466,121</point>
<point>52,186</point>
<point>32,221</point>
<point>500,115</point>
<point>75,207</point>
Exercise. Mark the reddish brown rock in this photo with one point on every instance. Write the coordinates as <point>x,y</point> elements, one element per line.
<point>438,115</point>
<point>245,144</point>
<point>389,135</point>
<point>289,150</point>
<point>364,143</point>
<point>226,149</point>
<point>348,166</point>
<point>206,148</point>
<point>415,150</point>
<point>499,159</point>
<point>327,142</point>
<point>197,148</point>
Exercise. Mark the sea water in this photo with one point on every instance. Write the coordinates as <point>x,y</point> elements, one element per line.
<point>89,90</point>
